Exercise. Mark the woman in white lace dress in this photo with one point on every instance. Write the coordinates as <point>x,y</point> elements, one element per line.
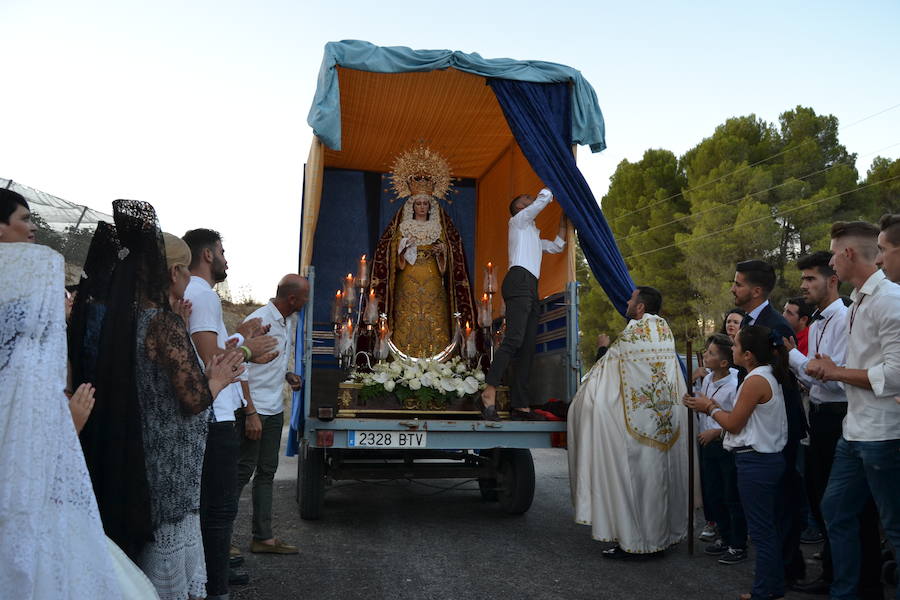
<point>53,544</point>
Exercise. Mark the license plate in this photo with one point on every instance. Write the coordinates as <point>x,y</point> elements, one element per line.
<point>386,439</point>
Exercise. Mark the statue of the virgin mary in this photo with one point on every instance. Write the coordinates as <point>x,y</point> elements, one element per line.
<point>419,268</point>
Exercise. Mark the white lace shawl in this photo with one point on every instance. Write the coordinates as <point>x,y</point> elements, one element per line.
<point>418,233</point>
<point>53,544</point>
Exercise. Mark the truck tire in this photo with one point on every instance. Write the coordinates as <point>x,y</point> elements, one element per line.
<point>311,479</point>
<point>487,486</point>
<point>515,480</point>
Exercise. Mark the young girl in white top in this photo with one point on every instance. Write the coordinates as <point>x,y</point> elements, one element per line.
<point>756,432</point>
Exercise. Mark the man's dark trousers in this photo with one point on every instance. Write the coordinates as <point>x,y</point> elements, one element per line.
<point>825,429</point>
<point>520,293</point>
<point>219,503</point>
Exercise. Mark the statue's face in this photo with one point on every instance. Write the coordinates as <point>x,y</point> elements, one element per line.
<point>420,207</point>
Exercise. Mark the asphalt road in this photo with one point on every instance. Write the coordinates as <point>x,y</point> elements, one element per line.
<point>415,541</point>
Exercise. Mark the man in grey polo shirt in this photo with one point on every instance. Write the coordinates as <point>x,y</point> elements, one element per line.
<point>265,386</point>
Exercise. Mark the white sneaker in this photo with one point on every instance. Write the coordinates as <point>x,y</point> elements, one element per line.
<point>709,533</point>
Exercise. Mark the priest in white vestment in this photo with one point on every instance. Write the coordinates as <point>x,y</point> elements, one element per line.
<point>626,435</point>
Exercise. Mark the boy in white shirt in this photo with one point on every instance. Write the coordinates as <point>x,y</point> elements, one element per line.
<point>718,476</point>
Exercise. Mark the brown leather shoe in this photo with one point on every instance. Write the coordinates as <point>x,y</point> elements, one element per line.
<point>278,547</point>
<point>234,551</point>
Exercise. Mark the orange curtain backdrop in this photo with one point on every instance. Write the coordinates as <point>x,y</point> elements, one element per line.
<point>455,113</point>
<point>508,177</point>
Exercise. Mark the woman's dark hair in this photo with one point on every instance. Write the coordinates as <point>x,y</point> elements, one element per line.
<point>724,343</point>
<point>736,311</point>
<point>9,201</point>
<point>767,347</point>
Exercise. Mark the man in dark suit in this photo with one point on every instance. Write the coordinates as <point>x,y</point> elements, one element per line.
<point>754,280</point>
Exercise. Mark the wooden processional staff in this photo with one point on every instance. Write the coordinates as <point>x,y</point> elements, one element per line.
<point>691,442</point>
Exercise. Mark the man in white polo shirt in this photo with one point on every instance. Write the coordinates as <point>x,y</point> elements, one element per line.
<point>218,485</point>
<point>265,387</point>
<point>867,457</point>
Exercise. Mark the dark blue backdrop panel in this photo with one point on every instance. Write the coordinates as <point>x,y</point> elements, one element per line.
<point>342,234</point>
<point>461,212</point>
<point>539,115</point>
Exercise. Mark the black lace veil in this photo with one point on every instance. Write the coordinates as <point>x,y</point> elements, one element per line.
<point>111,439</point>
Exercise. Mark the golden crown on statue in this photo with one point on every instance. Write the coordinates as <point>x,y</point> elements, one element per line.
<point>421,170</point>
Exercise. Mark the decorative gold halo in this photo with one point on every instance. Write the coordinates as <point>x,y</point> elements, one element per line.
<point>421,161</point>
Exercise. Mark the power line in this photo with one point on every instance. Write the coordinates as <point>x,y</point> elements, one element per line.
<point>757,220</point>
<point>742,169</point>
<point>744,196</point>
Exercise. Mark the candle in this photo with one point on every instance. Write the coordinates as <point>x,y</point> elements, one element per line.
<point>337,309</point>
<point>371,314</point>
<point>490,280</point>
<point>485,315</point>
<point>349,290</point>
<point>362,273</point>
<point>469,342</point>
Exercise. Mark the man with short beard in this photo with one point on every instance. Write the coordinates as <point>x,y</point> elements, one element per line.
<point>867,456</point>
<point>218,486</point>
<point>827,408</point>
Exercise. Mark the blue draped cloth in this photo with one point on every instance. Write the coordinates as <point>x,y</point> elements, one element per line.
<point>586,127</point>
<point>538,115</point>
<point>298,406</point>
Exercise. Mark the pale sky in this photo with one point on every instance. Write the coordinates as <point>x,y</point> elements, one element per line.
<point>200,107</point>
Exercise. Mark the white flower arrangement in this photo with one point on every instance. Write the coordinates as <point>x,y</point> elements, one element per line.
<point>426,380</point>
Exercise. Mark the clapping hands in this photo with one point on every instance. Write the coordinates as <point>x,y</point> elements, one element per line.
<point>262,346</point>
<point>821,367</point>
<point>223,369</point>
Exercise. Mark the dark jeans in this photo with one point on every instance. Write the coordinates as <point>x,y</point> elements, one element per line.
<point>790,509</point>
<point>861,470</point>
<point>520,293</point>
<point>719,483</point>
<point>825,428</point>
<point>218,503</point>
<point>259,459</point>
<point>759,477</point>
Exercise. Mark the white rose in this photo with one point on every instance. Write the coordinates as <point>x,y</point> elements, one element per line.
<point>380,377</point>
<point>395,368</point>
<point>479,375</point>
<point>410,373</point>
<point>448,385</point>
<point>446,371</point>
<point>427,379</point>
<point>415,384</point>
<point>470,385</point>
<point>460,368</point>
<point>389,385</point>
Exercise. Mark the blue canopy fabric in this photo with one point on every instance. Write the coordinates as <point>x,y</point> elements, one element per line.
<point>538,115</point>
<point>587,127</point>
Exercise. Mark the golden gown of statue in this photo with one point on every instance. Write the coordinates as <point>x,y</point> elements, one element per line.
<point>421,319</point>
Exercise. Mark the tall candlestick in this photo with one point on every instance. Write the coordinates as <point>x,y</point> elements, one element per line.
<point>337,309</point>
<point>349,290</point>
<point>485,315</point>
<point>490,279</point>
<point>362,273</point>
<point>371,309</point>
